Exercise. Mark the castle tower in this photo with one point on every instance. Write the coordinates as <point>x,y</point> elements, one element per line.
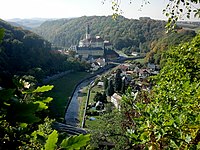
<point>87,35</point>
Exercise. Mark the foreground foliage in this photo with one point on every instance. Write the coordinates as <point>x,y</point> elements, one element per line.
<point>169,117</point>
<point>22,115</point>
<point>24,123</point>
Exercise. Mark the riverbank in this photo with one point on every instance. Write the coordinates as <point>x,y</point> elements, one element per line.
<point>72,108</point>
<point>61,93</point>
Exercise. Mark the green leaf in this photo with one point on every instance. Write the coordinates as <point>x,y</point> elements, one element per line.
<point>23,125</point>
<point>47,100</point>
<point>51,141</point>
<point>75,142</point>
<point>44,88</point>
<point>198,146</point>
<point>169,123</point>
<point>41,105</point>
<point>23,113</point>
<point>144,136</point>
<point>173,144</point>
<point>188,138</point>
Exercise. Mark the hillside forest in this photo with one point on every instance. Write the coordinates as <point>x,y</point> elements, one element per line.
<point>25,53</point>
<point>127,35</point>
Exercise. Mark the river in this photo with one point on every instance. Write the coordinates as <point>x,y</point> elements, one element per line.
<point>71,116</point>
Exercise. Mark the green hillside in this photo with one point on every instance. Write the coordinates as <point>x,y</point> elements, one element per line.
<point>123,32</point>
<point>158,47</point>
<point>24,52</point>
<point>21,49</point>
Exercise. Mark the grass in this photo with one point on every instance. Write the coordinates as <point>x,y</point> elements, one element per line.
<point>83,97</point>
<point>95,123</point>
<point>63,88</point>
<point>82,101</point>
<point>142,60</point>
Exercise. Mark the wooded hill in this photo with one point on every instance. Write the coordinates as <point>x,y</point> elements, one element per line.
<point>122,32</point>
<point>23,52</point>
<point>21,49</point>
<point>158,47</point>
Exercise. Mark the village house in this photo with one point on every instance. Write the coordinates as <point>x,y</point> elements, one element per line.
<point>124,67</point>
<point>95,66</point>
<point>144,73</point>
<point>100,84</point>
<point>101,62</point>
<point>116,99</point>
<point>98,63</point>
<point>151,66</point>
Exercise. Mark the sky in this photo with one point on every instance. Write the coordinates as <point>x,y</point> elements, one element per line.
<point>77,8</point>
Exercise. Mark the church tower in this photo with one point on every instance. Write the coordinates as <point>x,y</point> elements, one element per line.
<point>87,35</point>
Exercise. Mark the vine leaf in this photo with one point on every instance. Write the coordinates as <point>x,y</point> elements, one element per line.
<point>51,141</point>
<point>75,142</point>
<point>43,89</point>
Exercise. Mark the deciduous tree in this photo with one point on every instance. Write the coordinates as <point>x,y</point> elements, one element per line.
<point>169,117</point>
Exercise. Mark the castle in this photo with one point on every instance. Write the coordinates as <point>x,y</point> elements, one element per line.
<point>92,46</point>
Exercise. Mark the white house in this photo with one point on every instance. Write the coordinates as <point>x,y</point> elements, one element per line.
<point>115,99</point>
<point>101,62</point>
<point>144,73</point>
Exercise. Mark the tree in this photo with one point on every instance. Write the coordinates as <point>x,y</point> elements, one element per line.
<point>169,117</point>
<point>22,112</point>
<point>104,97</point>
<point>1,34</point>
<point>24,123</point>
<point>98,97</point>
<point>123,86</point>
<point>105,83</point>
<point>118,80</point>
<point>110,90</point>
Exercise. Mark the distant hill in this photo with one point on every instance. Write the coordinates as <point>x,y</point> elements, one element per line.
<point>27,23</point>
<point>124,33</point>
<point>195,26</point>
<point>19,25</point>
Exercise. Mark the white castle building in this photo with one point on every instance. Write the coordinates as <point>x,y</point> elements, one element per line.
<point>92,46</point>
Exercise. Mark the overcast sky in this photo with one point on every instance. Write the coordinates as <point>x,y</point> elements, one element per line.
<point>76,8</point>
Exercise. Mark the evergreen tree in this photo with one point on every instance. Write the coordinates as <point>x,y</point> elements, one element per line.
<point>123,86</point>
<point>104,97</point>
<point>110,90</point>
<point>105,83</point>
<point>98,97</point>
<point>118,80</point>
